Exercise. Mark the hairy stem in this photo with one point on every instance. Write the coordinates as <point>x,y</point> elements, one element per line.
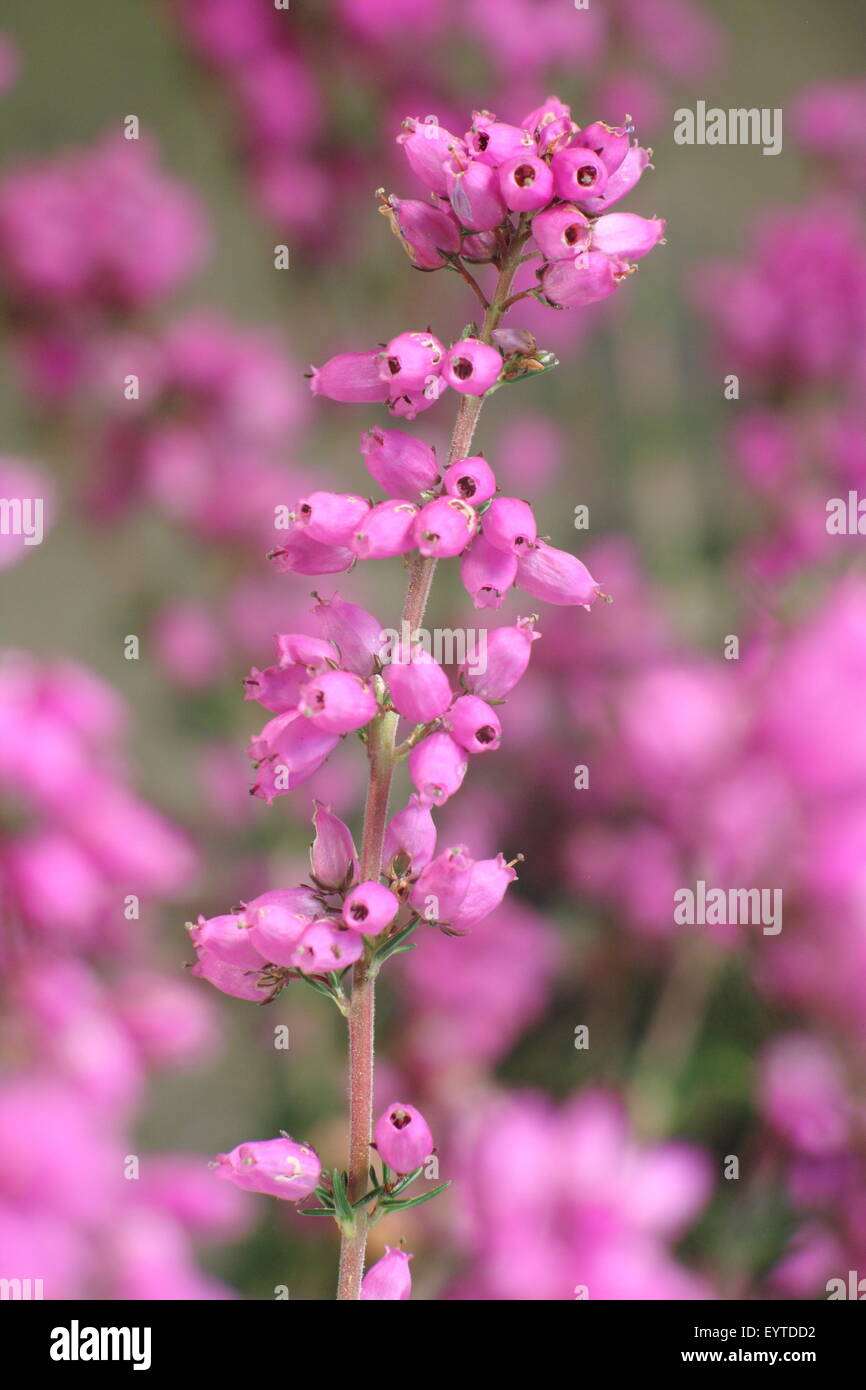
<point>381,745</point>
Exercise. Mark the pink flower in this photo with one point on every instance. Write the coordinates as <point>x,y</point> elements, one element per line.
<point>386,530</point>
<point>278,1167</point>
<point>474,724</point>
<point>487,572</point>
<point>400,464</point>
<point>471,479</point>
<point>625,236</point>
<point>402,1137</point>
<point>475,194</point>
<point>526,183</point>
<point>556,576</point>
<point>419,688</point>
<point>349,377</point>
<point>370,907</point>
<point>444,527</point>
<point>411,832</point>
<point>333,857</point>
<point>578,173</point>
<point>472,367</point>
<point>388,1278</point>
<point>355,633</point>
<point>562,231</point>
<point>429,234</point>
<point>437,766</point>
<point>277,920</point>
<point>337,702</point>
<point>510,525</point>
<point>325,946</point>
<point>442,885</point>
<point>331,518</point>
<point>427,146</point>
<point>582,279</point>
<point>508,651</point>
<point>409,360</point>
<point>487,885</point>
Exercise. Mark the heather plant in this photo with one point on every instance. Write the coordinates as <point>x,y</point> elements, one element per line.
<point>501,197</point>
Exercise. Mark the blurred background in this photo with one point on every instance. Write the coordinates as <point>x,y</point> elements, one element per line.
<point>709,1141</point>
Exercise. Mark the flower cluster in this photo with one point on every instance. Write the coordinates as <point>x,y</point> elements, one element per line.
<point>546,182</point>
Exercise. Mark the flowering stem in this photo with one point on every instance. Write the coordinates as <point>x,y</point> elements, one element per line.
<point>381,753</point>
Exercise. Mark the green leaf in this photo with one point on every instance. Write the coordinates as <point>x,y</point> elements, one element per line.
<point>343,1207</point>
<point>416,1201</point>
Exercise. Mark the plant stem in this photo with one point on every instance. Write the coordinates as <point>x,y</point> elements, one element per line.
<point>381,744</point>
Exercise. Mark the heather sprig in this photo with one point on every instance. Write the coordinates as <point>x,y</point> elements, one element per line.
<point>505,197</point>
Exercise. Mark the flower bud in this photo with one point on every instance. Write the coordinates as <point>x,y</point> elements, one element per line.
<point>429,234</point>
<point>556,576</point>
<point>625,236</point>
<point>333,857</point>
<point>444,527</point>
<point>437,766</point>
<point>277,1167</point>
<point>419,688</point>
<point>561,231</point>
<point>472,367</point>
<point>510,525</point>
<point>355,633</point>
<point>337,702</point>
<point>442,885</point>
<point>541,116</point>
<point>389,1278</point>
<point>325,946</point>
<point>474,725</point>
<point>526,183</point>
<point>508,650</point>
<point>399,463</point>
<point>427,145</point>
<point>408,360</point>
<point>411,832</point>
<point>480,248</point>
<point>370,908</point>
<point>403,1138</point>
<point>410,404</point>
<point>487,886</point>
<point>471,479</point>
<point>487,572</point>
<point>331,517</point>
<point>475,195</point>
<point>386,530</point>
<point>578,174</point>
<point>349,377</point>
